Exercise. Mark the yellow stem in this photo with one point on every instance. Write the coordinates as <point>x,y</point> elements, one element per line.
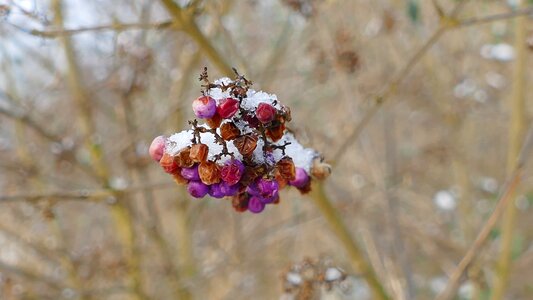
<point>357,258</point>
<point>516,136</point>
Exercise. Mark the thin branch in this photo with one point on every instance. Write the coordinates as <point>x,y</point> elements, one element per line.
<point>83,194</point>
<point>109,27</point>
<point>447,23</point>
<point>505,198</point>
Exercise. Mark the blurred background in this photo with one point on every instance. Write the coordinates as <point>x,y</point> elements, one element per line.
<point>421,107</point>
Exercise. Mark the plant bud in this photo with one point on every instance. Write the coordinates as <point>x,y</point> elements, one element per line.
<point>157,148</point>
<point>214,121</point>
<point>179,179</point>
<point>168,163</point>
<point>216,190</point>
<point>275,133</point>
<point>197,189</point>
<point>227,108</point>
<point>255,205</point>
<point>265,113</point>
<point>204,107</point>
<point>300,179</point>
<point>183,158</point>
<point>209,173</point>
<point>246,144</point>
<point>286,168</point>
<point>240,202</point>
<point>229,131</point>
<point>232,171</point>
<point>190,173</point>
<point>320,170</point>
<point>198,152</point>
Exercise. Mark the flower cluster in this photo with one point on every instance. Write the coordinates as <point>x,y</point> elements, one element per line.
<point>243,150</point>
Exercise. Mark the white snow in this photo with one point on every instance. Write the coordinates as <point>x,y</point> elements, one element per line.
<point>302,157</point>
<point>445,200</point>
<point>332,274</point>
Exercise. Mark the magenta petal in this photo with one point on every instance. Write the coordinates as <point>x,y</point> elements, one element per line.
<point>300,179</point>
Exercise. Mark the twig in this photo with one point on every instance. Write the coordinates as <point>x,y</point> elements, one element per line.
<point>503,201</point>
<point>110,27</point>
<point>447,23</point>
<point>83,194</point>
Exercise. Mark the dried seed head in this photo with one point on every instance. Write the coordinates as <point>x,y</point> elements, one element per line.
<point>198,152</point>
<point>168,163</point>
<point>286,168</point>
<point>183,158</point>
<point>179,179</point>
<point>246,144</point>
<point>229,131</point>
<point>320,170</point>
<point>240,202</point>
<point>214,121</point>
<point>209,172</point>
<point>275,133</point>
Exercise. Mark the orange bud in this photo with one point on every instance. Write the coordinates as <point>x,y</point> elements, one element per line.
<point>246,144</point>
<point>209,172</point>
<point>286,168</point>
<point>214,121</point>
<point>198,152</point>
<point>229,131</point>
<point>183,158</point>
<point>179,179</point>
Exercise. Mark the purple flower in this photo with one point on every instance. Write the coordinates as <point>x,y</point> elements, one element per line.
<point>204,107</point>
<point>197,189</point>
<point>217,191</point>
<point>255,205</point>
<point>263,188</point>
<point>232,171</point>
<point>190,173</point>
<point>229,190</point>
<point>157,148</point>
<point>301,178</point>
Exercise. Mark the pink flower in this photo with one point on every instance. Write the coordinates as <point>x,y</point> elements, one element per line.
<point>227,108</point>
<point>157,148</point>
<point>204,107</point>
<point>232,171</point>
<point>265,113</point>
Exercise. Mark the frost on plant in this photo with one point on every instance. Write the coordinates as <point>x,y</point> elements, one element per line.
<point>243,149</point>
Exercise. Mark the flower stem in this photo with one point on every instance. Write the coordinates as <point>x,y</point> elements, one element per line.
<point>340,229</point>
<point>516,136</point>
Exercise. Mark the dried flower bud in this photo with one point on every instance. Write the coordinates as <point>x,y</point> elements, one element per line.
<point>306,188</point>
<point>190,173</point>
<point>179,179</point>
<point>183,158</point>
<point>229,131</point>
<point>232,171</point>
<point>255,205</point>
<point>214,121</point>
<point>286,168</point>
<point>265,113</point>
<point>239,92</point>
<point>209,173</point>
<point>227,108</point>
<point>246,144</point>
<point>197,189</point>
<point>301,178</point>
<point>204,107</point>
<point>320,170</point>
<point>275,133</point>
<point>157,148</point>
<point>198,152</point>
<point>168,163</point>
<point>240,202</point>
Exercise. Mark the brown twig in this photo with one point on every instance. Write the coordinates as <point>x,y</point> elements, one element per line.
<point>503,201</point>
